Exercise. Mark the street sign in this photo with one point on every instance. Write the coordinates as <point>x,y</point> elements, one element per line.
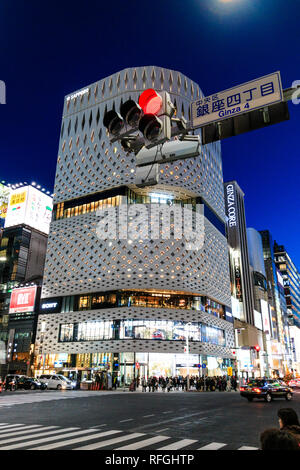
<point>241,99</point>
<point>203,366</point>
<point>229,371</point>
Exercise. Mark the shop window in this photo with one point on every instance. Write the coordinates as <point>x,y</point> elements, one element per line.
<point>66,332</point>
<point>84,302</point>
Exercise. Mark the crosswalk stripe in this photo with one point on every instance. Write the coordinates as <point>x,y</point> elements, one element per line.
<point>34,436</point>
<point>78,439</point>
<point>19,427</point>
<point>178,444</point>
<point>248,448</point>
<point>144,443</point>
<point>17,436</point>
<point>213,446</point>
<point>26,430</point>
<point>10,426</point>
<point>102,444</point>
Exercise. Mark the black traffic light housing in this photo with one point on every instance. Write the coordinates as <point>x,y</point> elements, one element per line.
<point>113,122</point>
<point>151,116</point>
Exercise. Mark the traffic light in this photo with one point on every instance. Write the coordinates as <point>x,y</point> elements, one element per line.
<point>257,348</point>
<point>131,112</point>
<point>158,110</point>
<point>113,122</point>
<point>151,116</point>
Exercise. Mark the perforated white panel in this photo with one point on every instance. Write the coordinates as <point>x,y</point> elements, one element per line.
<point>52,322</point>
<point>78,262</point>
<point>88,162</point>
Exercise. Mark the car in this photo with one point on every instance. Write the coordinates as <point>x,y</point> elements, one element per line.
<point>11,381</point>
<point>56,381</point>
<point>266,389</point>
<point>158,334</point>
<point>30,383</point>
<point>294,383</point>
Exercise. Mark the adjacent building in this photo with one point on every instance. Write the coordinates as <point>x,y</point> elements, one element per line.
<point>290,277</point>
<point>248,290</point>
<point>125,306</point>
<point>22,257</point>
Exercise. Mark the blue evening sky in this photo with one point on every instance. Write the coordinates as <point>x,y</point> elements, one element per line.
<point>51,48</point>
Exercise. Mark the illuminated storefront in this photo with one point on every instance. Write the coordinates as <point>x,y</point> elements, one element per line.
<point>132,365</point>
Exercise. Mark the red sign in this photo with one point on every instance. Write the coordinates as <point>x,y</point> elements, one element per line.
<point>22,300</point>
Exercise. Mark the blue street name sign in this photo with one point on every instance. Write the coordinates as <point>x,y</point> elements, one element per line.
<point>241,99</point>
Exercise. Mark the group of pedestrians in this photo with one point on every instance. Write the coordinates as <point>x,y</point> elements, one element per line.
<point>179,383</point>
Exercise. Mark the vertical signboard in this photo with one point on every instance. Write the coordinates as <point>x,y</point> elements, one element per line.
<point>231,211</point>
<point>4,196</point>
<point>265,318</point>
<point>10,344</point>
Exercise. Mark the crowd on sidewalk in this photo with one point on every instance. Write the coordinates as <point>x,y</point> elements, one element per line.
<point>200,384</point>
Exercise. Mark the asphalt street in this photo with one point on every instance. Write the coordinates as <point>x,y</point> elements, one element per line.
<point>201,417</point>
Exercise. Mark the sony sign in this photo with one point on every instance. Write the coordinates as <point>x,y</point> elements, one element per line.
<point>231,208</point>
<point>49,305</point>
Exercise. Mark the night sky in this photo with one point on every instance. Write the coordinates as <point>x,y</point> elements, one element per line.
<point>51,48</point>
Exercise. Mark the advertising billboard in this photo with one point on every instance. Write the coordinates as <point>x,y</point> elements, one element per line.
<point>22,300</point>
<point>27,205</point>
<point>265,318</point>
<point>258,320</point>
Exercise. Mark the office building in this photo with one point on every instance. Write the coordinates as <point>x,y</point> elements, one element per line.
<point>246,295</point>
<point>22,258</point>
<point>291,284</point>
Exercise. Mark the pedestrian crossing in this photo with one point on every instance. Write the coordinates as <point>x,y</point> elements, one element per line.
<point>16,398</point>
<point>40,437</point>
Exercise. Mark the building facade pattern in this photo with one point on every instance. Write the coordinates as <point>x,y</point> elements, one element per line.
<point>78,262</point>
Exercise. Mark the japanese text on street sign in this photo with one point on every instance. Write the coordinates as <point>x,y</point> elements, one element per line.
<point>252,95</point>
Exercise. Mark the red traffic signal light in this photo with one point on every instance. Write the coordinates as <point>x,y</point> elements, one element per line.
<point>150,101</point>
<point>257,348</point>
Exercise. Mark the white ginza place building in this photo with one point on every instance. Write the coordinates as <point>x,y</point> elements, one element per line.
<point>126,306</point>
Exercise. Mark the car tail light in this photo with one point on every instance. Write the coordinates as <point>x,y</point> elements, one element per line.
<point>242,388</point>
<point>256,390</point>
